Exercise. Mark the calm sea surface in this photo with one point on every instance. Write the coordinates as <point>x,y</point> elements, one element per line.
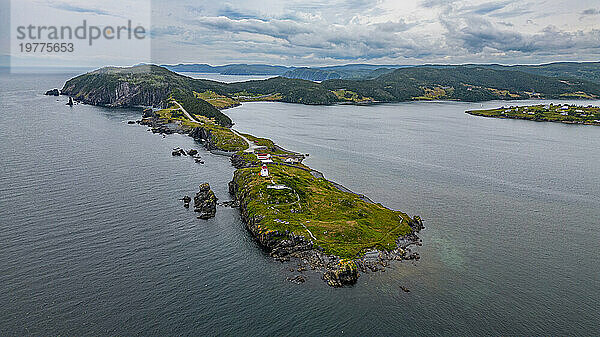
<point>93,239</point>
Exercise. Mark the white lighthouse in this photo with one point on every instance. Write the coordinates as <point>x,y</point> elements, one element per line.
<point>264,171</point>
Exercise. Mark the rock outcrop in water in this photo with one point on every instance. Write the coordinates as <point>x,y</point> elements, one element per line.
<point>53,92</point>
<point>205,202</point>
<point>345,274</point>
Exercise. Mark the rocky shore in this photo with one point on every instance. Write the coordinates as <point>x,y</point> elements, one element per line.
<point>160,126</point>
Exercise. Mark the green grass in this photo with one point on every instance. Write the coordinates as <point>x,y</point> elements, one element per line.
<point>350,96</point>
<point>224,139</point>
<point>342,223</point>
<point>216,100</point>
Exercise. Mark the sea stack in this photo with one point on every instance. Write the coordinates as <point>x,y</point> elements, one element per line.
<point>205,202</point>
<point>70,103</point>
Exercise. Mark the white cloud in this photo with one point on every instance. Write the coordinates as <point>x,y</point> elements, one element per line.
<point>312,32</point>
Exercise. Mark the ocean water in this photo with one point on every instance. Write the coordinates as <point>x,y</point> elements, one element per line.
<point>94,241</point>
<point>226,78</point>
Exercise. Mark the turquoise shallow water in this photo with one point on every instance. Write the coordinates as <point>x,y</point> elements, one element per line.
<point>93,240</point>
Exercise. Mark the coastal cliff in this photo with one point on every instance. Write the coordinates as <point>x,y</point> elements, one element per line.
<point>122,94</point>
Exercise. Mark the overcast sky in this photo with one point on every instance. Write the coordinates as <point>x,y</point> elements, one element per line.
<point>305,33</point>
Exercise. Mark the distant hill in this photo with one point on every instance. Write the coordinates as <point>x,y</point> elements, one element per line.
<point>230,69</point>
<point>350,71</point>
<point>589,71</point>
<point>465,83</point>
<point>149,85</point>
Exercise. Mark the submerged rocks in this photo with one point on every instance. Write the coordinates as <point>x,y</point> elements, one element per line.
<point>205,202</point>
<point>192,152</point>
<point>298,279</point>
<point>186,201</point>
<point>53,92</point>
<point>178,152</point>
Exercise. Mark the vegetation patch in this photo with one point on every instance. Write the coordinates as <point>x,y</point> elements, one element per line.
<point>350,96</point>
<point>434,93</point>
<point>216,100</point>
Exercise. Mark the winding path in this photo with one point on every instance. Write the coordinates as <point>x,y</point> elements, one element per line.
<point>187,114</point>
<point>251,145</point>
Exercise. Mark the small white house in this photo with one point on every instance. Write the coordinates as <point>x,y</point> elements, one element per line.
<point>264,171</point>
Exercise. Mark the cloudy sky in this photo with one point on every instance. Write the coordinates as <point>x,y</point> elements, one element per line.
<point>309,32</point>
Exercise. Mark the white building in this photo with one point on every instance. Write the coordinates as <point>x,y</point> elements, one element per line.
<point>264,171</point>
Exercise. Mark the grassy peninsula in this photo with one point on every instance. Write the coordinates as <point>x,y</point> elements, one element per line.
<point>339,223</point>
<point>562,113</point>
